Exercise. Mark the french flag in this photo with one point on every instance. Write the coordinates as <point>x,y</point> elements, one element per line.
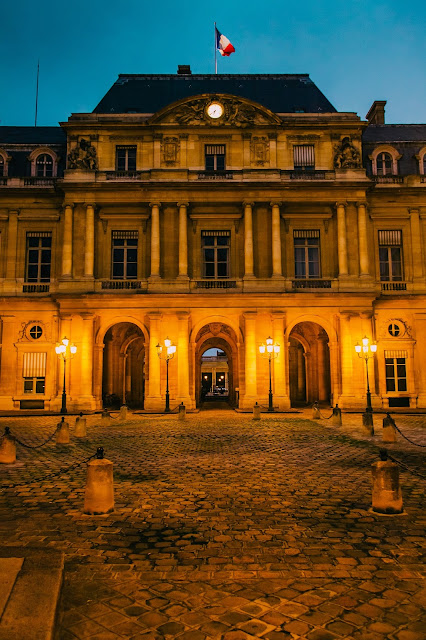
<point>223,45</point>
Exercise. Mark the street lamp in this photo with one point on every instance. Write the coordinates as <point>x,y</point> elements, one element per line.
<point>66,351</point>
<point>166,353</point>
<point>367,351</point>
<point>270,350</point>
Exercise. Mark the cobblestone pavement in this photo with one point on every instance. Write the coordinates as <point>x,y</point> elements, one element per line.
<point>226,528</point>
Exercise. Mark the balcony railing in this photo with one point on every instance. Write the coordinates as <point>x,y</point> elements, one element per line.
<point>39,182</point>
<point>215,175</point>
<point>311,284</point>
<point>35,288</point>
<point>388,179</point>
<point>123,176</point>
<point>216,284</point>
<point>121,284</point>
<point>394,286</point>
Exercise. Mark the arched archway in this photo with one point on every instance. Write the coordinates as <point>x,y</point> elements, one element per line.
<point>309,364</point>
<point>123,378</point>
<point>220,337</point>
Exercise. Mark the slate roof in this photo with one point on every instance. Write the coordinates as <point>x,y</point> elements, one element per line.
<point>278,92</point>
<point>395,133</point>
<point>32,135</point>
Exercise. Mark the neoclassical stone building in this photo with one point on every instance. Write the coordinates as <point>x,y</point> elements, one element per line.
<point>215,210</point>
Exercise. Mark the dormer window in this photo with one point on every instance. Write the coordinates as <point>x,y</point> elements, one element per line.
<point>2,166</point>
<point>384,164</point>
<point>384,161</point>
<point>44,166</point>
<point>421,157</point>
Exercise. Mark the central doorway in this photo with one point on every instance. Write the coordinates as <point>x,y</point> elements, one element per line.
<point>123,379</point>
<point>214,376</point>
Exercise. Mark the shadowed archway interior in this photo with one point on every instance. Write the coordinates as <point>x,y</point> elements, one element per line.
<point>309,364</point>
<point>123,377</point>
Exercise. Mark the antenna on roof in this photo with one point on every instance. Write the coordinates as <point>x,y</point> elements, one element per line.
<point>36,102</point>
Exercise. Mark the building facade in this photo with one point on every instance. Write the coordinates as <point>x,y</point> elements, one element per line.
<point>215,210</point>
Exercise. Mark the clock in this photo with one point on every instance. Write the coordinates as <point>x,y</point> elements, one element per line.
<point>215,110</point>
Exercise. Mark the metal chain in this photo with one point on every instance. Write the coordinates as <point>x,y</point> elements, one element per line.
<point>37,446</point>
<point>326,417</point>
<point>408,439</point>
<point>404,466</point>
<point>50,475</point>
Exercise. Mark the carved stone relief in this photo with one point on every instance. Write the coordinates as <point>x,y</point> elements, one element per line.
<point>259,146</point>
<point>83,156</point>
<point>170,148</point>
<point>346,156</point>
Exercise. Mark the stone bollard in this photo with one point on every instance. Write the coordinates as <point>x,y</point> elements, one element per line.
<point>389,431</point>
<point>80,426</point>
<point>256,412</point>
<point>367,422</point>
<point>62,432</point>
<point>106,418</point>
<point>99,494</point>
<point>315,411</point>
<point>387,496</point>
<point>336,419</point>
<point>182,411</point>
<point>7,448</point>
<point>123,412</point>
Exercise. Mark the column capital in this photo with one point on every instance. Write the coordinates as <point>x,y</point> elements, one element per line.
<point>413,210</point>
<point>341,203</point>
<point>67,205</point>
<point>154,204</point>
<point>183,204</point>
<point>246,203</point>
<point>90,204</point>
<point>154,315</point>
<point>361,203</point>
<point>86,315</point>
<point>249,315</point>
<point>275,204</point>
<point>278,315</point>
<point>183,315</point>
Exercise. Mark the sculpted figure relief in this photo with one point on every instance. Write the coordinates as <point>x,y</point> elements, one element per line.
<point>83,156</point>
<point>236,113</point>
<point>346,155</point>
<point>170,150</point>
<point>260,149</point>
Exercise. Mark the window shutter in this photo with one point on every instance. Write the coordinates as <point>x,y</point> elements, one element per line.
<point>304,155</point>
<point>306,233</point>
<point>39,234</point>
<point>215,149</point>
<point>215,233</point>
<point>396,354</point>
<point>34,365</point>
<point>390,237</point>
<point>125,235</point>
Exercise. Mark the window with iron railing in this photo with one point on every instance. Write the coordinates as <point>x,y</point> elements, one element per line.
<point>304,157</point>
<point>307,253</point>
<point>124,258</point>
<point>39,256</point>
<point>215,157</point>
<point>215,247</point>
<point>390,255</point>
<point>125,158</point>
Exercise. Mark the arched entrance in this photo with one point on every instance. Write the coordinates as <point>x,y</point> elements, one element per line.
<point>123,378</point>
<point>309,364</point>
<point>216,378</point>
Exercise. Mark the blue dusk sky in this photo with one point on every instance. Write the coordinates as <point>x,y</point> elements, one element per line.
<point>355,51</point>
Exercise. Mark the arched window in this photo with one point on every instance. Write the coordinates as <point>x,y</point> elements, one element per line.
<point>384,164</point>
<point>424,164</point>
<point>44,166</point>
<point>1,165</point>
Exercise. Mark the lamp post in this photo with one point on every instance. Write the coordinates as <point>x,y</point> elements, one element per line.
<point>65,351</point>
<point>367,351</point>
<point>166,353</point>
<point>270,350</point>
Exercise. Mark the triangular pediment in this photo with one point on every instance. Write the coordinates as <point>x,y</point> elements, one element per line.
<point>237,112</point>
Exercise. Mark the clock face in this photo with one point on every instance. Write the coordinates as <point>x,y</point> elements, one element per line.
<point>215,110</point>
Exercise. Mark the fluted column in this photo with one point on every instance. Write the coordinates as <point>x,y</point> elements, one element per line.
<point>362,239</point>
<point>155,240</point>
<point>416,244</point>
<point>250,358</point>
<point>67,242</point>
<point>86,356</point>
<point>89,245</point>
<point>183,358</point>
<point>183,240</point>
<point>276,240</point>
<point>248,240</point>
<point>341,239</point>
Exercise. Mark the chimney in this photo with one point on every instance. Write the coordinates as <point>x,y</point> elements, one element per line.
<point>184,70</point>
<point>376,115</point>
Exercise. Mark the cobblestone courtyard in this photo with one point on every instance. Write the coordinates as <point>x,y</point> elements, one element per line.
<point>226,528</point>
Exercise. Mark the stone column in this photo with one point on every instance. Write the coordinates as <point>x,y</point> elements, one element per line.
<point>153,399</point>
<point>12,237</point>
<point>416,244</point>
<point>341,239</point>
<point>321,368</point>
<point>301,391</point>
<point>155,240</point>
<point>347,352</point>
<point>250,359</point>
<point>279,374</point>
<point>183,241</point>
<point>89,245</point>
<point>276,241</point>
<point>362,239</point>
<point>98,357</point>
<point>248,240</point>
<point>183,359</point>
<point>67,242</point>
<point>86,359</point>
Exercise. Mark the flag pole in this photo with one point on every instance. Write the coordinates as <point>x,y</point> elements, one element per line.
<point>215,49</point>
<point>36,102</point>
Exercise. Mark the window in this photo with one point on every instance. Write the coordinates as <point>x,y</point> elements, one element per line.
<point>390,255</point>
<point>215,157</point>
<point>306,253</point>
<point>396,370</point>
<point>216,245</point>
<point>34,372</point>
<point>124,255</point>
<point>2,166</point>
<point>304,157</point>
<point>384,164</point>
<point>125,158</point>
<point>44,166</point>
<point>39,250</point>
<point>394,330</point>
<point>36,332</point>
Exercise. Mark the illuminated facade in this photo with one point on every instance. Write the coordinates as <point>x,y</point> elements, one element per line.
<point>216,211</point>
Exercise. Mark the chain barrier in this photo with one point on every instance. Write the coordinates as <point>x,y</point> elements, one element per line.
<point>55,474</point>
<point>36,446</point>
<point>400,432</point>
<point>326,417</point>
<point>404,466</point>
